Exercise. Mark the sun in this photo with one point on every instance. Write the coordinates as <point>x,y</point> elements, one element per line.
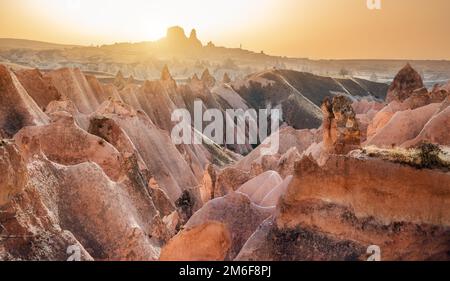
<point>110,21</point>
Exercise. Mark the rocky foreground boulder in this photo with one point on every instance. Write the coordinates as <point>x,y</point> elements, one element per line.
<point>336,211</point>
<point>232,219</point>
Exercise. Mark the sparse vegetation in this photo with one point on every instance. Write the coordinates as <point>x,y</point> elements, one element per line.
<point>344,72</point>
<point>424,156</point>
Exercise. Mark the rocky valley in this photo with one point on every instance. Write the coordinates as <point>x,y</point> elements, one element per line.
<point>87,165</point>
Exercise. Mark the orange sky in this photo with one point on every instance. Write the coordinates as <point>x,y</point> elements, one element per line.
<point>404,29</point>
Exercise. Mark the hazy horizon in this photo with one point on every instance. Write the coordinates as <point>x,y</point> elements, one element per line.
<point>320,29</point>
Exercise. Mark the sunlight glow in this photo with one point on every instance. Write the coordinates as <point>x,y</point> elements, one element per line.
<point>143,20</point>
<point>302,28</point>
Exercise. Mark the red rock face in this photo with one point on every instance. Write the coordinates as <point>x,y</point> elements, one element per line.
<point>73,85</point>
<point>407,122</point>
<point>406,125</point>
<point>404,84</point>
<point>17,108</point>
<point>38,87</point>
<point>336,211</point>
<point>435,130</point>
<point>234,217</point>
<point>28,229</point>
<point>65,143</point>
<point>154,146</point>
<point>403,126</point>
<point>213,240</point>
<point>14,176</point>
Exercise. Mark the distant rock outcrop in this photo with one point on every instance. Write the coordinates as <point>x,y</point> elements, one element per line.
<point>208,79</point>
<point>405,82</point>
<point>226,78</point>
<point>119,80</point>
<point>195,78</point>
<point>194,41</point>
<point>177,41</point>
<point>131,80</point>
<point>165,74</point>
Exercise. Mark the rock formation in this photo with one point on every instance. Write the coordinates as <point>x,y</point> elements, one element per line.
<point>17,107</point>
<point>177,42</point>
<point>88,166</point>
<point>194,41</point>
<point>208,79</point>
<point>73,85</point>
<point>404,84</point>
<point>341,132</point>
<point>258,188</point>
<point>38,87</point>
<point>165,74</point>
<point>226,78</point>
<point>119,80</point>
<point>300,94</point>
<point>213,241</point>
<point>234,217</point>
<point>14,175</point>
<point>403,126</point>
<point>327,214</point>
<point>65,143</point>
<point>409,122</point>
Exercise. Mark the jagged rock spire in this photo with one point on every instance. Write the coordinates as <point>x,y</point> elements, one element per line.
<point>165,74</point>
<point>193,39</point>
<point>341,132</point>
<point>119,80</point>
<point>119,75</point>
<point>193,35</point>
<point>195,77</point>
<point>226,78</point>
<point>131,80</point>
<point>208,79</point>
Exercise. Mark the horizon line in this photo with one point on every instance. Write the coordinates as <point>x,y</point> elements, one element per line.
<point>270,55</point>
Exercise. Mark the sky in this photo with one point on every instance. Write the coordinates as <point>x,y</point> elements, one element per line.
<point>318,29</point>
